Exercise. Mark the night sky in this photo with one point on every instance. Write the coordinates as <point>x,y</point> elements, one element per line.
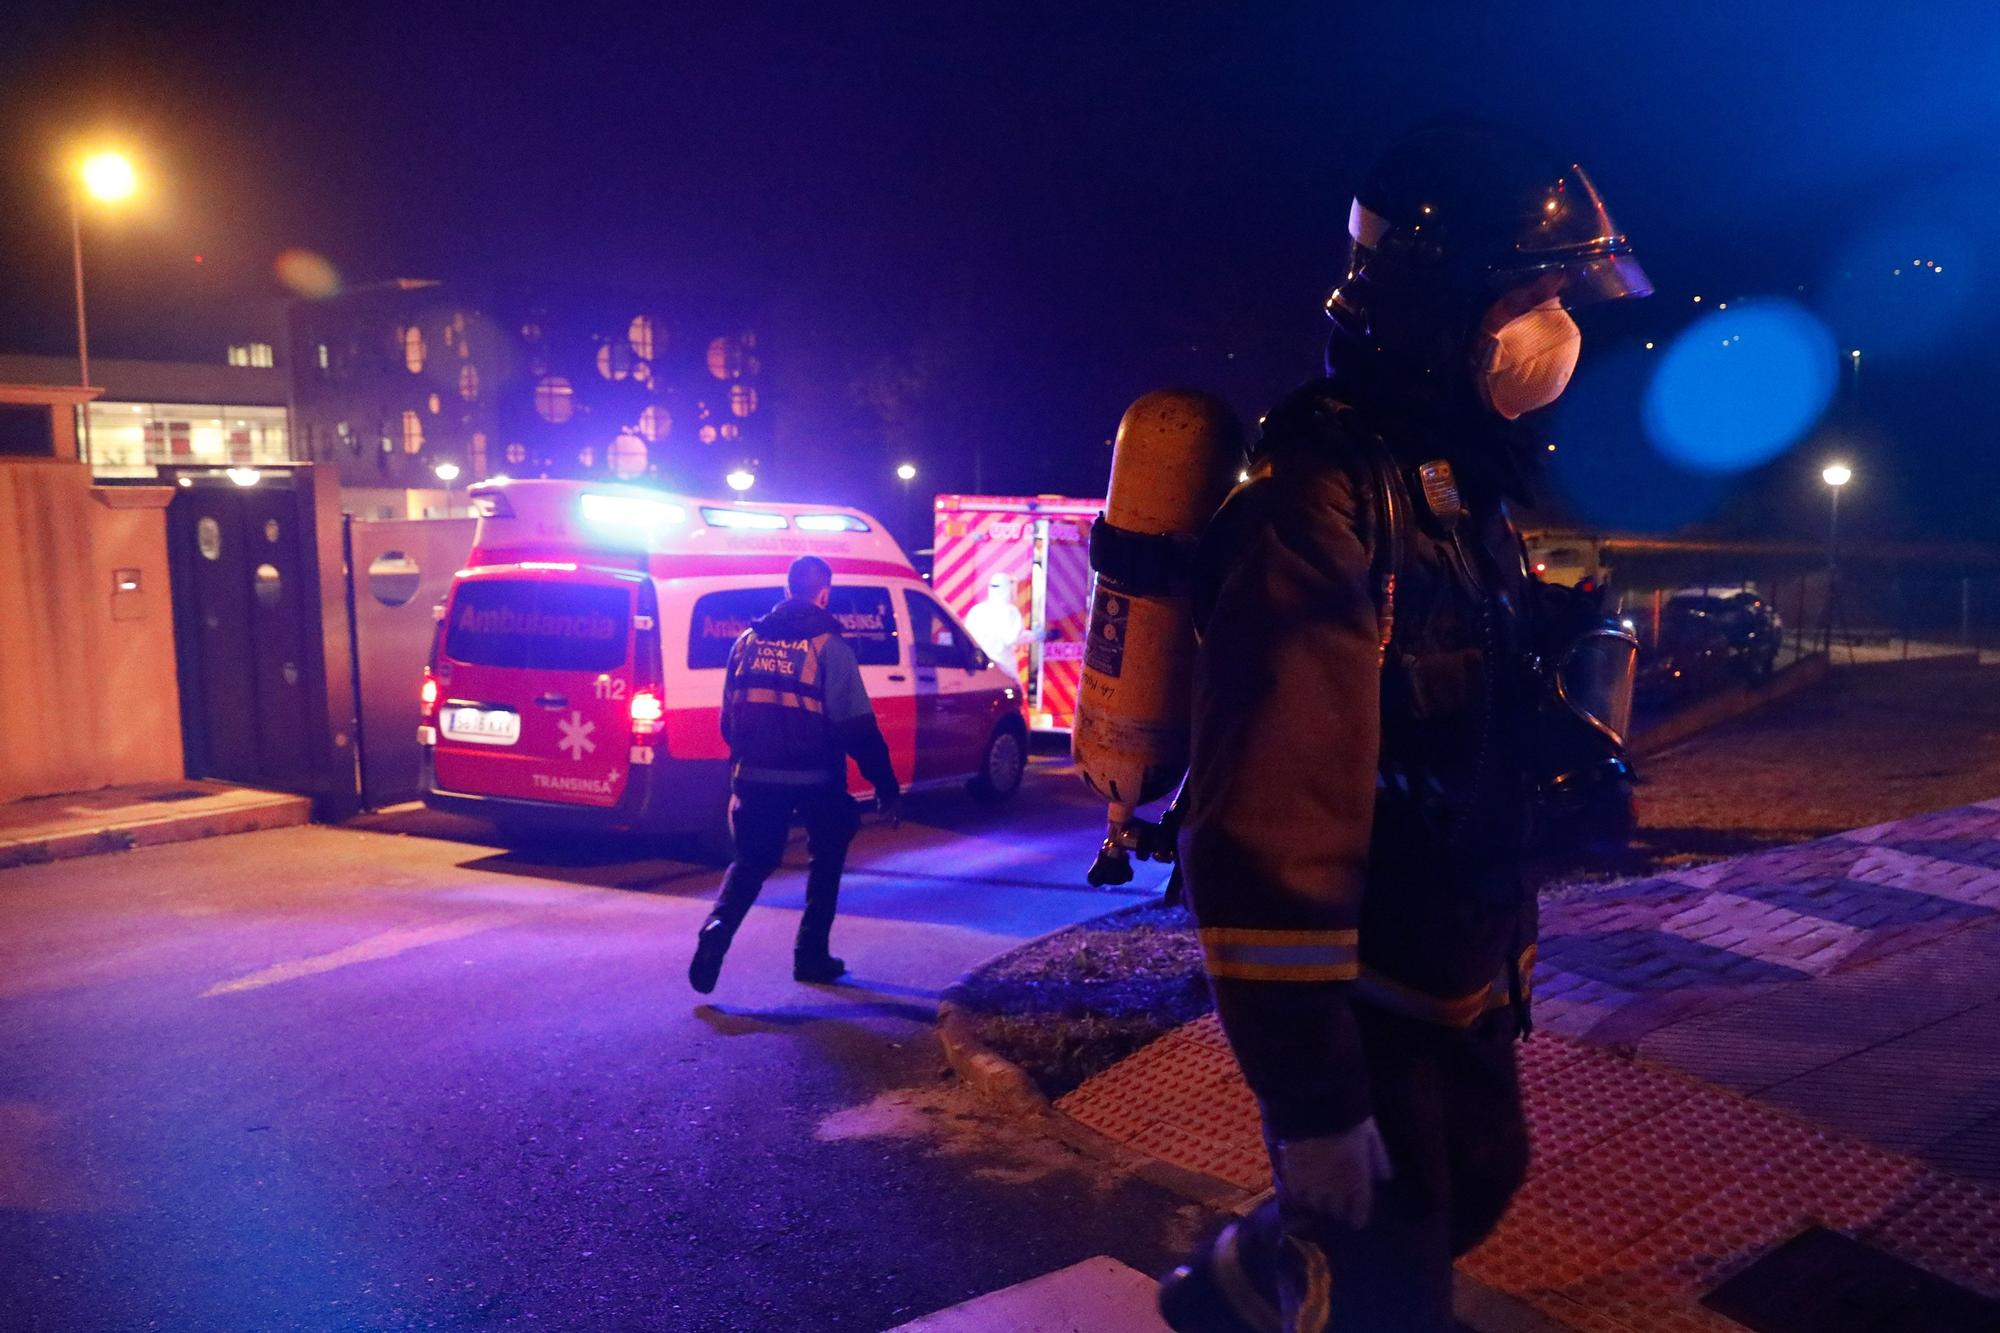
<point>1025,215</point>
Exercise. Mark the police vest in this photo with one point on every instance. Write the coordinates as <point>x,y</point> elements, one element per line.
<point>775,700</point>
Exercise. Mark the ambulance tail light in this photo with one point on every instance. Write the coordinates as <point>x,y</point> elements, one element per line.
<point>649,712</point>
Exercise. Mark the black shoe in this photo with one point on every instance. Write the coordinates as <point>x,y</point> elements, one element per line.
<point>709,946</point>
<point>822,968</point>
<point>1196,1297</point>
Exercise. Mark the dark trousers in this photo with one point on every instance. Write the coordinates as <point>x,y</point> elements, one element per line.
<point>1448,1104</point>
<point>760,819</point>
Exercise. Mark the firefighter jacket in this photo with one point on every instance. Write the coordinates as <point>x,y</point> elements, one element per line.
<point>793,705</point>
<point>1352,820</point>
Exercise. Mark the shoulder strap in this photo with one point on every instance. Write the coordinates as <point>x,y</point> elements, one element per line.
<point>1313,412</point>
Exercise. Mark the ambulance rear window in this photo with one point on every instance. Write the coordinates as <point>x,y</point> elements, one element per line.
<point>534,623</point>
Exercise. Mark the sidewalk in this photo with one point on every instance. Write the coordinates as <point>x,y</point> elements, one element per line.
<point>53,828</point>
<point>1817,1041</point>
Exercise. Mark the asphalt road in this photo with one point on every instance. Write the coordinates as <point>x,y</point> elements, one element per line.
<point>394,1077</point>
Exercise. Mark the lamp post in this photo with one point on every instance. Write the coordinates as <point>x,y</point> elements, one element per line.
<point>1836,475</point>
<point>109,178</point>
<point>907,473</point>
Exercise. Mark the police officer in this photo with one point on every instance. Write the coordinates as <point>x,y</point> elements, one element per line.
<point>793,710</point>
<point>1356,802</point>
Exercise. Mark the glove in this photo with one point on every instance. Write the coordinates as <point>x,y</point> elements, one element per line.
<point>889,805</point>
<point>1334,1176</point>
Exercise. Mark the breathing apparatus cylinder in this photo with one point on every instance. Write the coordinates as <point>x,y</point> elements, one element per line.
<point>1176,456</point>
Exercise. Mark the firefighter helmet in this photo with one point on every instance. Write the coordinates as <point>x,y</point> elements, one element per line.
<point>1457,215</point>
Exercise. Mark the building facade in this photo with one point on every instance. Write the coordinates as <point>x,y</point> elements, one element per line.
<point>149,415</point>
<point>412,386</point>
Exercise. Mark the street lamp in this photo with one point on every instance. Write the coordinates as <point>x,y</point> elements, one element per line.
<point>742,479</point>
<point>1835,475</point>
<point>108,178</point>
<point>446,472</point>
<point>906,473</point>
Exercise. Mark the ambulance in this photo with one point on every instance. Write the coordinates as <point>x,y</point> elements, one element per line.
<point>1016,570</point>
<point>576,670</point>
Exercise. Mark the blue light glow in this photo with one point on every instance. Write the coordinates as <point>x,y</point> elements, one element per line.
<point>756,519</point>
<point>829,523</point>
<point>1607,474</point>
<point>1739,387</point>
<point>629,511</point>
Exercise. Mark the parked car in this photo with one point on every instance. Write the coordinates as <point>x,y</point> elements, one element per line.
<point>1750,624</point>
<point>575,679</point>
<point>1708,637</point>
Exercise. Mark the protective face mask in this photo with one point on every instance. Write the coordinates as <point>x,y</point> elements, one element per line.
<point>1527,364</point>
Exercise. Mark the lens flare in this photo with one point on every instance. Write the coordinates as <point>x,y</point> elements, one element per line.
<point>1605,471</point>
<point>307,274</point>
<point>1739,387</point>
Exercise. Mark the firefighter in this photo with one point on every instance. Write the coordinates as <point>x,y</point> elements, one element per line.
<point>793,711</point>
<point>1363,695</point>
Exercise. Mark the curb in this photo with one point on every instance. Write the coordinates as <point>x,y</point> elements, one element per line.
<point>279,811</point>
<point>1729,705</point>
<point>1009,1088</point>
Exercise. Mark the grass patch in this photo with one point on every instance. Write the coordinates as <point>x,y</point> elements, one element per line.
<point>1079,1001</point>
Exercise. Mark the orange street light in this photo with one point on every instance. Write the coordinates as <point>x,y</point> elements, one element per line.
<point>109,178</point>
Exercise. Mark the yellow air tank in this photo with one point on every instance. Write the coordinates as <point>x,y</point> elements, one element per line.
<point>1177,454</point>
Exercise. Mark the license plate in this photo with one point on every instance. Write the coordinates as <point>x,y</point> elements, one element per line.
<point>481,726</point>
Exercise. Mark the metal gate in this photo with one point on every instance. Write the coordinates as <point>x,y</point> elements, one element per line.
<point>245,626</point>
<point>398,570</point>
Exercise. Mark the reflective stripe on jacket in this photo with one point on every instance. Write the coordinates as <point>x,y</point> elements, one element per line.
<point>794,707</point>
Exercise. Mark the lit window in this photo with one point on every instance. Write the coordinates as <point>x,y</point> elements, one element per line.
<point>707,434</point>
<point>586,456</point>
<point>414,349</point>
<point>725,359</point>
<point>627,456</point>
<point>413,433</point>
<point>640,335</point>
<point>239,354</point>
<point>655,424</point>
<point>325,361</point>
<point>555,400</point>
<point>261,355</point>
<point>468,382</point>
<point>614,361</point>
<point>479,453</point>
<point>730,430</point>
<point>517,453</point>
<point>435,404</point>
<point>742,400</point>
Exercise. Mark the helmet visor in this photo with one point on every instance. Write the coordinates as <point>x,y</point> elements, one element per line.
<point>1571,231</point>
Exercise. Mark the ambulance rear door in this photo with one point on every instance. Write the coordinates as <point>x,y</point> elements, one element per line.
<point>1062,620</point>
<point>535,679</point>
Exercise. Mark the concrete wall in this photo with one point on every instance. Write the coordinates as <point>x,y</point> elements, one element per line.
<point>87,670</point>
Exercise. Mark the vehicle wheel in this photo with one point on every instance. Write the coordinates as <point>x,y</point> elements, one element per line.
<point>1003,766</point>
